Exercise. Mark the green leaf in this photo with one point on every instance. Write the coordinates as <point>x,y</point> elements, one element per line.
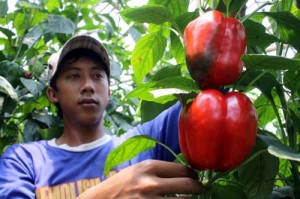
<point>33,35</point>
<point>59,24</point>
<point>283,153</point>
<point>257,36</point>
<point>11,71</point>
<point>6,87</point>
<point>89,21</point>
<point>167,71</point>
<point>156,14</point>
<point>53,4</point>
<point>297,3</point>
<point>32,104</point>
<point>128,150</point>
<point>24,20</point>
<point>291,80</point>
<point>258,176</point>
<point>176,7</point>
<point>30,131</point>
<point>12,129</point>
<point>8,33</point>
<point>34,87</point>
<point>182,20</point>
<point>147,52</point>
<point>278,149</point>
<point>46,119</point>
<point>288,26</point>
<point>283,192</point>
<point>164,29</point>
<point>225,191</point>
<point>252,61</point>
<point>163,90</point>
<point>264,110</point>
<point>3,8</point>
<point>27,4</point>
<point>262,80</point>
<point>234,6</point>
<point>20,23</point>
<point>37,18</point>
<point>284,169</point>
<point>38,67</point>
<point>177,48</point>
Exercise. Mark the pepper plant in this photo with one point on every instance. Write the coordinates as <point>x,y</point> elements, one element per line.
<point>272,168</point>
<point>150,73</point>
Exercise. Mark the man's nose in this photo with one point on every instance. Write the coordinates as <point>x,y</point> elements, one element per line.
<point>88,86</point>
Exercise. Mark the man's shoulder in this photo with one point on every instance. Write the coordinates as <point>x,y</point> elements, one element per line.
<point>21,149</point>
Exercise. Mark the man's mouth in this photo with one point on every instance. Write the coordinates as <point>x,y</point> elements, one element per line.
<point>88,101</point>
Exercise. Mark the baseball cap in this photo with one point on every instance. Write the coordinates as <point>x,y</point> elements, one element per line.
<point>77,42</point>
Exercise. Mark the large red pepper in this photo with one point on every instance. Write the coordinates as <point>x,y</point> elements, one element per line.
<point>214,45</point>
<point>217,131</point>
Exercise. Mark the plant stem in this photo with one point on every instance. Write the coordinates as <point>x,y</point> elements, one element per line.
<point>216,177</point>
<point>171,151</point>
<point>241,8</point>
<point>288,123</point>
<point>255,11</point>
<point>208,175</point>
<point>177,32</point>
<point>279,121</point>
<point>253,81</point>
<point>296,179</point>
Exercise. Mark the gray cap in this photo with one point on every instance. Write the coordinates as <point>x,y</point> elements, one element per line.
<point>77,42</point>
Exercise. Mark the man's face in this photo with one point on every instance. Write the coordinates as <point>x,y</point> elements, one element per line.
<point>82,92</point>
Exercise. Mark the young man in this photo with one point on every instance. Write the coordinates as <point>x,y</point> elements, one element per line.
<point>72,165</point>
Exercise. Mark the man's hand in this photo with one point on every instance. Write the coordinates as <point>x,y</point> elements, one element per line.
<point>148,179</point>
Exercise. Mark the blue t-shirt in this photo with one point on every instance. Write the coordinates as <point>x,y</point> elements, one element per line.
<point>43,170</point>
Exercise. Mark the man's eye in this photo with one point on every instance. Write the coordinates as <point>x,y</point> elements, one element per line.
<point>73,76</point>
<point>98,76</point>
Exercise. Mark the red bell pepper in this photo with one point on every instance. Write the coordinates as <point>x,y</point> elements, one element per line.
<point>214,45</point>
<point>217,131</point>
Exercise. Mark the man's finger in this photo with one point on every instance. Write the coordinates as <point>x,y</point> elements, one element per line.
<point>180,186</point>
<point>169,169</point>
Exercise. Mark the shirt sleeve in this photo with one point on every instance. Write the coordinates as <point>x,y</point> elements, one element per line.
<point>165,129</point>
<point>16,180</point>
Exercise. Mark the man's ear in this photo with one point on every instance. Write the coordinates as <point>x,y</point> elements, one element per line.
<point>52,94</point>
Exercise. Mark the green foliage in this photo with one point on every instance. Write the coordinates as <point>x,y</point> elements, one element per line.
<point>29,34</point>
<point>7,88</point>
<point>147,52</point>
<point>223,190</point>
<point>163,91</point>
<point>3,8</point>
<point>257,37</point>
<point>288,27</point>
<point>148,14</point>
<point>128,150</point>
<point>149,73</point>
<point>258,176</point>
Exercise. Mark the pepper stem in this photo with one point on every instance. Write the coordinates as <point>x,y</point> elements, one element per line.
<point>227,4</point>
